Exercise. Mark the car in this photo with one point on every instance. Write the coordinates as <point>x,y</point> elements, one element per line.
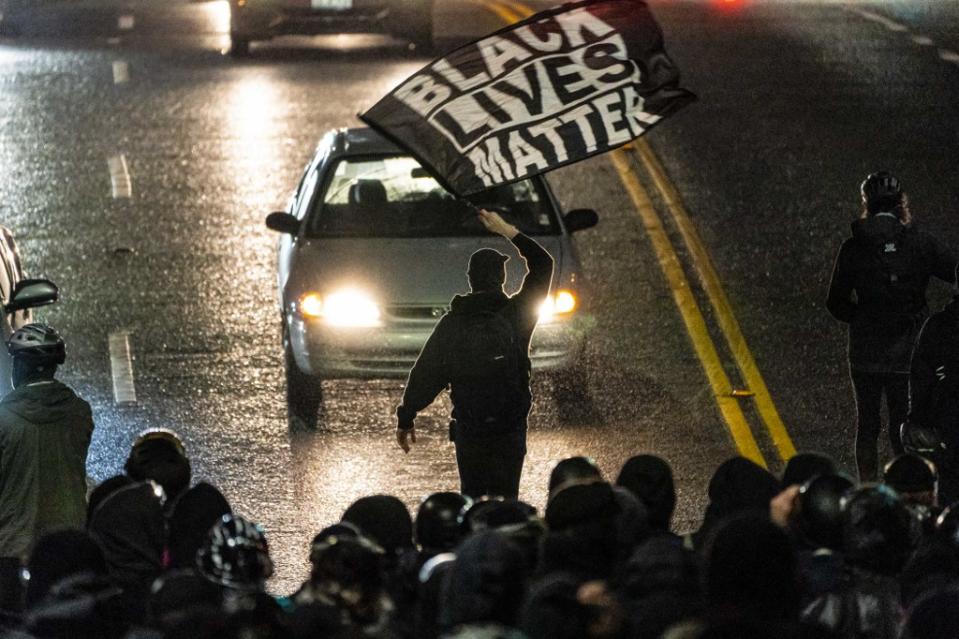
<point>251,20</point>
<point>372,249</point>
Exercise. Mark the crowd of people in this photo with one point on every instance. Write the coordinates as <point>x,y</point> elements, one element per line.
<point>809,554</point>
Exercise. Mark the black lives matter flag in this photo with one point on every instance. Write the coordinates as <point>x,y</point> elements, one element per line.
<point>556,88</point>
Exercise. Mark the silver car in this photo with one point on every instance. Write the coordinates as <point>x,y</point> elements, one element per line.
<point>372,250</point>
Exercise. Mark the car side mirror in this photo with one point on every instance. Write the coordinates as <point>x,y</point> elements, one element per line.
<point>580,219</point>
<point>283,223</point>
<point>32,293</point>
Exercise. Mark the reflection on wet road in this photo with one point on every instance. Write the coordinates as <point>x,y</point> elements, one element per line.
<point>186,267</point>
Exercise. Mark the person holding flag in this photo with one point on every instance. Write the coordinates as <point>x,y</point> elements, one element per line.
<point>480,350</point>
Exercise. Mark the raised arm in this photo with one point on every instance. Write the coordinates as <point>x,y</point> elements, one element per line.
<point>539,263</point>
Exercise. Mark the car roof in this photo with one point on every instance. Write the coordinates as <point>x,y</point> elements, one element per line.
<point>362,141</point>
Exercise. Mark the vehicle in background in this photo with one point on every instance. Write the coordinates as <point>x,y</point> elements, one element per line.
<point>11,273</point>
<point>252,20</point>
<point>373,249</point>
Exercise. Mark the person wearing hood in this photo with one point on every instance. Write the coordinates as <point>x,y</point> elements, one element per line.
<point>934,391</point>
<point>480,350</point>
<point>45,431</point>
<point>650,479</point>
<point>886,265</point>
<point>738,486</point>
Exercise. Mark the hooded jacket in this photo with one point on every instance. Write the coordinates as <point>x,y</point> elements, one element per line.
<point>45,431</point>
<point>430,374</point>
<point>887,265</point>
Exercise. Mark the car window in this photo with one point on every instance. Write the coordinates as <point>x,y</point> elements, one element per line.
<point>393,196</point>
<point>305,193</point>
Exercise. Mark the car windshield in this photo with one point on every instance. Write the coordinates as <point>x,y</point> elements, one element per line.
<point>393,196</point>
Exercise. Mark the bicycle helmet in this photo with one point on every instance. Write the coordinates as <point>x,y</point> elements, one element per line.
<point>437,521</point>
<point>879,185</point>
<point>819,516</point>
<point>38,345</point>
<point>236,555</point>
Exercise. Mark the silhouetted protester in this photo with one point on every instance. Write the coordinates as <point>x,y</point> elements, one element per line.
<point>485,584</point>
<point>130,529</point>
<point>650,479</point>
<point>158,454</point>
<point>750,572</point>
<point>917,482</point>
<point>934,392</point>
<point>236,556</point>
<point>879,534</point>
<point>802,467</point>
<point>934,616</point>
<point>57,556</point>
<point>480,350</point>
<point>660,586</point>
<point>581,537</point>
<point>516,519</point>
<point>82,606</point>
<point>817,525</point>
<point>348,576</point>
<point>561,607</point>
<point>886,265</point>
<point>385,520</point>
<point>45,431</point>
<point>197,510</point>
<point>438,527</point>
<point>935,563</point>
<point>103,490</point>
<point>738,486</point>
<point>176,595</point>
<point>573,469</point>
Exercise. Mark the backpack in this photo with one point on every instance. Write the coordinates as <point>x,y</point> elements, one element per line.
<point>485,371</point>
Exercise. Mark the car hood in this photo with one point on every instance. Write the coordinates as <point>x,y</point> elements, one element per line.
<point>427,271</point>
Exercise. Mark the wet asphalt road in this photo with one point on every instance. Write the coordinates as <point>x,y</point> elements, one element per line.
<point>798,101</point>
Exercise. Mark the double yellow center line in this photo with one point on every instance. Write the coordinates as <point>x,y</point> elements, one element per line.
<point>726,396</point>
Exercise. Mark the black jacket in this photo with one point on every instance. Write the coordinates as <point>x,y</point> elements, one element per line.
<point>887,265</point>
<point>430,375</point>
<point>934,380</point>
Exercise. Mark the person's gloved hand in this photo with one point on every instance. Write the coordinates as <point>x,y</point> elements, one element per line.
<point>405,437</point>
<point>496,224</point>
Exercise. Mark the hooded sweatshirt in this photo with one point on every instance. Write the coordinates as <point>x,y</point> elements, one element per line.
<point>45,431</point>
<point>431,374</point>
<point>887,265</point>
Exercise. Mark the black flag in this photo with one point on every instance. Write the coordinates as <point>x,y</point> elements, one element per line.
<point>558,87</point>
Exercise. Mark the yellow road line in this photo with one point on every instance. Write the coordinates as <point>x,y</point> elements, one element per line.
<point>720,302</point>
<point>501,9</point>
<point>689,310</point>
<point>521,8</point>
<point>679,285</point>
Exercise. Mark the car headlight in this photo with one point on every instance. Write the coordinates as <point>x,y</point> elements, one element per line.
<point>562,303</point>
<point>347,308</point>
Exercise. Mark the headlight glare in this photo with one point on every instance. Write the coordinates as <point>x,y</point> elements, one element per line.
<point>311,305</point>
<point>344,308</point>
<point>559,304</point>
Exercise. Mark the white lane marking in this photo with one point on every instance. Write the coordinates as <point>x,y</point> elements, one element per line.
<point>113,41</point>
<point>125,22</point>
<point>892,25</point>
<point>121,72</point>
<point>121,186</point>
<point>923,41</point>
<point>121,368</point>
<point>949,56</point>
